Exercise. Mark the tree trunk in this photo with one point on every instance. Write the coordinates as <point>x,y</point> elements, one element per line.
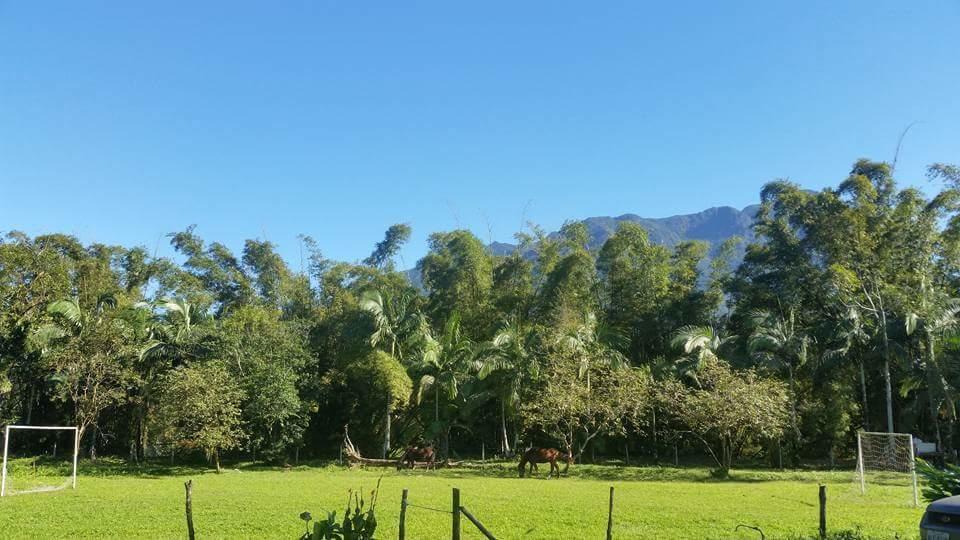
<point>28,416</point>
<point>795,447</point>
<point>505,447</point>
<point>936,425</point>
<point>143,414</point>
<point>216,460</point>
<point>888,390</point>
<point>931,398</point>
<point>445,443</point>
<point>386,425</point>
<point>863,392</point>
<point>655,441</point>
<point>726,457</point>
<point>948,442</point>
<point>93,444</point>
<point>888,387</point>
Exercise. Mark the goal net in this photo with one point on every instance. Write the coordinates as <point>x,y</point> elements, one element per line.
<point>38,458</point>
<point>887,460</point>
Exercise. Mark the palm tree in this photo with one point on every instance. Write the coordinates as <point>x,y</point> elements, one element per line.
<point>443,362</point>
<point>170,335</point>
<point>854,338</point>
<point>74,318</point>
<point>395,320</point>
<point>509,355</point>
<point>937,317</point>
<point>70,321</point>
<point>172,340</point>
<point>594,344</point>
<point>700,344</point>
<point>780,341</point>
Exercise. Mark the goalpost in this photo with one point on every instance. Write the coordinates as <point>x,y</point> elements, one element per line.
<point>6,450</point>
<point>890,456</point>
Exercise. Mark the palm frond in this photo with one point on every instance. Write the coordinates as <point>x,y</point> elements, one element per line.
<point>69,310</point>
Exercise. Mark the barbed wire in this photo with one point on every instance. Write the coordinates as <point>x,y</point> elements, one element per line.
<point>429,508</point>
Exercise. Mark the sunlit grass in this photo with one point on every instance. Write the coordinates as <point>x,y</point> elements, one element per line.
<point>116,501</point>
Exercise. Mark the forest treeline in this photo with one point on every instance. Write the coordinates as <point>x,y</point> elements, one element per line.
<point>843,315</point>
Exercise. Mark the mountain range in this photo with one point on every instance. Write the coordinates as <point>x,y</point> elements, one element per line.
<point>713,225</point>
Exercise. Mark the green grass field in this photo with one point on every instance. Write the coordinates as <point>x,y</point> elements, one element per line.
<point>113,501</point>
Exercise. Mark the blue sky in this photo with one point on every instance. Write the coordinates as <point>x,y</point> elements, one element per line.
<point>123,121</point>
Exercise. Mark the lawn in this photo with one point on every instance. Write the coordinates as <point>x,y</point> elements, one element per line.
<point>118,502</point>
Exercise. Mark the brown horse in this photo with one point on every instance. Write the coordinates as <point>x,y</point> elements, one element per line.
<point>544,455</point>
<point>417,453</point>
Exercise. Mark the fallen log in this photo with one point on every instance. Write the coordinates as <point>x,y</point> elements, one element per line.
<point>355,459</point>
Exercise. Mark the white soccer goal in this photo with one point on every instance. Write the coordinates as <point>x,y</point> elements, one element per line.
<point>886,458</point>
<point>38,479</point>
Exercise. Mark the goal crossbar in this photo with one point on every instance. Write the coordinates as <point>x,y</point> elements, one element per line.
<point>6,449</point>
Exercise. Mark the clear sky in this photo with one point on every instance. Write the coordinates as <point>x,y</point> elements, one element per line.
<point>123,121</point>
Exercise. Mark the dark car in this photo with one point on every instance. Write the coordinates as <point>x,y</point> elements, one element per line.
<point>941,521</point>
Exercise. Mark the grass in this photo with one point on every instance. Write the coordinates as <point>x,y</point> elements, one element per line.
<point>116,501</point>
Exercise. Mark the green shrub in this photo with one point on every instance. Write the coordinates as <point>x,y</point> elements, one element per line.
<point>357,524</point>
<point>938,483</point>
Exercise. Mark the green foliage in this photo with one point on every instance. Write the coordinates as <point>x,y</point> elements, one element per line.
<point>567,409</point>
<point>357,524</point>
<point>200,409</point>
<point>389,247</point>
<point>387,376</point>
<point>938,482</point>
<point>847,294</point>
<point>458,276</point>
<point>728,410</point>
<point>266,357</point>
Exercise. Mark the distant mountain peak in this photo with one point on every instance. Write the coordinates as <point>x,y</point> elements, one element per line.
<point>713,225</point>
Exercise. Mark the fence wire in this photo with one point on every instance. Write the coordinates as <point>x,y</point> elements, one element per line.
<point>429,508</point>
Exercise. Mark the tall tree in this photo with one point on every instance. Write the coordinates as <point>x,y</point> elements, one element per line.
<point>396,324</point>
<point>458,276</point>
<point>510,359</point>
<point>389,247</point>
<point>780,340</point>
<point>443,366</point>
<point>635,277</point>
<point>700,345</point>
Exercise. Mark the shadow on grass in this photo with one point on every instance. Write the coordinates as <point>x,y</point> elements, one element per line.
<point>111,466</point>
<point>643,473</point>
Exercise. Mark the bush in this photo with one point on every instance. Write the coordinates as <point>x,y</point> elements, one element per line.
<point>938,483</point>
<point>357,524</point>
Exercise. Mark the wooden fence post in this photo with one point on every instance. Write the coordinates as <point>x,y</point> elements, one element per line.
<point>823,511</point>
<point>403,515</point>
<point>455,534</point>
<point>483,530</point>
<point>188,486</point>
<point>610,517</point>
